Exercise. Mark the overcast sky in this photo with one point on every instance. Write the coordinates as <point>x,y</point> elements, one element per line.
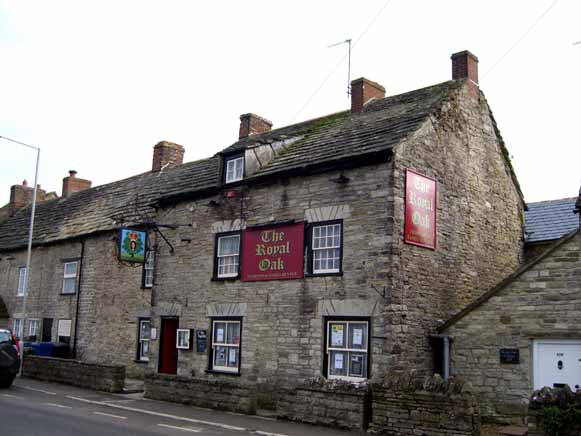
<point>96,84</point>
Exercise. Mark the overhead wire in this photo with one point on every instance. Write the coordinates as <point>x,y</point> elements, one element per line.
<point>524,35</point>
<point>336,67</point>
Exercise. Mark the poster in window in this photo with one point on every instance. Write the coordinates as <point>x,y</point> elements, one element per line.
<point>64,327</point>
<point>132,245</point>
<point>183,339</point>
<point>232,355</point>
<point>357,336</point>
<point>220,335</point>
<point>338,361</point>
<point>337,335</point>
<point>357,365</point>
<point>420,210</point>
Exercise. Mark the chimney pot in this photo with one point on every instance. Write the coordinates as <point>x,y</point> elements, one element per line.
<point>72,173</point>
<point>362,92</point>
<point>24,183</point>
<point>252,124</point>
<point>166,154</point>
<point>465,66</point>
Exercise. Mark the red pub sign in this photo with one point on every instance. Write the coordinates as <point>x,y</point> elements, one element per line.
<point>273,253</point>
<point>420,210</point>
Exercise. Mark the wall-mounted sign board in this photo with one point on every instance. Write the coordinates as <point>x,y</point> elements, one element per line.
<point>509,355</point>
<point>420,210</point>
<point>132,245</point>
<point>273,253</point>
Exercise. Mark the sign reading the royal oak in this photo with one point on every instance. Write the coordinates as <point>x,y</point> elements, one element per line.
<point>273,253</point>
<point>420,210</point>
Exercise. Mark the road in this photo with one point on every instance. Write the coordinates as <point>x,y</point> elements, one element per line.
<point>33,408</point>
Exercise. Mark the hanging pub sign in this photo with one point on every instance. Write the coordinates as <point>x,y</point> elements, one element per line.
<point>420,210</point>
<point>132,244</point>
<point>273,253</point>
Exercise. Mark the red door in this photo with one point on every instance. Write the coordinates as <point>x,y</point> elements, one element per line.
<point>168,356</point>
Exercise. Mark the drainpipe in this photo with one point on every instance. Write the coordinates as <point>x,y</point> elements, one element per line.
<point>78,297</point>
<point>446,357</point>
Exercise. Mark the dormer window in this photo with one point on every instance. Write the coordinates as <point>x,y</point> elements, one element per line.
<point>234,169</point>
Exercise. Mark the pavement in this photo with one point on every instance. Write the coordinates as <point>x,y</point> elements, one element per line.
<point>34,408</point>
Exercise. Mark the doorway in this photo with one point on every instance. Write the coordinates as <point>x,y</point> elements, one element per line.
<point>46,329</point>
<point>168,352</point>
<point>556,363</point>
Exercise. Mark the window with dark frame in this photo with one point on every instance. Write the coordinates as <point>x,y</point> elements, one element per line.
<point>325,248</point>
<point>347,349</point>
<point>227,257</point>
<point>148,268</point>
<point>233,169</point>
<point>226,345</point>
<point>144,336</point>
<point>70,277</point>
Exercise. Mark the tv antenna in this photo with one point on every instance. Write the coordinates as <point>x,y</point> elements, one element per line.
<point>347,41</point>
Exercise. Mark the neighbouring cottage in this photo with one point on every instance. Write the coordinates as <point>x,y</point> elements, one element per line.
<point>294,260</point>
<point>524,334</point>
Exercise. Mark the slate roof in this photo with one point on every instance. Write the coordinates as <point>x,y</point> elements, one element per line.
<point>550,220</point>
<point>106,207</point>
<point>382,124</point>
<point>341,137</point>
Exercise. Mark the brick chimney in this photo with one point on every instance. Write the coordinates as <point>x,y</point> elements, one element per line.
<point>21,196</point>
<point>167,154</point>
<point>251,124</point>
<point>363,91</point>
<point>72,184</point>
<point>465,66</point>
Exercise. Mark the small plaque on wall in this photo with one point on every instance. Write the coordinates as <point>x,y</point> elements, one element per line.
<point>201,341</point>
<point>509,355</point>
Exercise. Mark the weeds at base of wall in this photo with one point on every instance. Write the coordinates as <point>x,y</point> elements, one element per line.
<point>558,421</point>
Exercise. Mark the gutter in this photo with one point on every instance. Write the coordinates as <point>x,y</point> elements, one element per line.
<point>78,297</point>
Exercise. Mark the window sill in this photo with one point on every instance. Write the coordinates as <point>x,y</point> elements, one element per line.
<point>213,371</point>
<point>225,279</point>
<point>68,293</point>
<point>141,361</point>
<point>330,274</point>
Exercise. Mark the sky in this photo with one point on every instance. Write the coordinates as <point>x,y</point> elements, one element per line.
<point>96,84</point>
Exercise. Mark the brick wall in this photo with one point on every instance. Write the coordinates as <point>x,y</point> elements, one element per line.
<point>72,372</point>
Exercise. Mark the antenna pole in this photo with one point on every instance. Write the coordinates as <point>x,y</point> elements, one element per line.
<point>347,41</point>
<point>349,71</point>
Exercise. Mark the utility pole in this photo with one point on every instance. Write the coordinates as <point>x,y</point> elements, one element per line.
<point>29,249</point>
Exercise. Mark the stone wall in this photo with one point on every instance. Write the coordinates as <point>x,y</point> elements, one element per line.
<point>404,406</point>
<point>543,302</point>
<point>73,372</point>
<point>231,395</point>
<point>479,225</point>
<point>338,405</point>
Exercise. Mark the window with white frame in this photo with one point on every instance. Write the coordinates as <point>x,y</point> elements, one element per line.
<point>144,338</point>
<point>148,268</point>
<point>347,349</point>
<point>234,169</point>
<point>227,260</point>
<point>33,329</point>
<point>64,331</point>
<point>325,248</point>
<point>21,281</point>
<point>226,345</point>
<point>70,277</point>
<point>18,325</point>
